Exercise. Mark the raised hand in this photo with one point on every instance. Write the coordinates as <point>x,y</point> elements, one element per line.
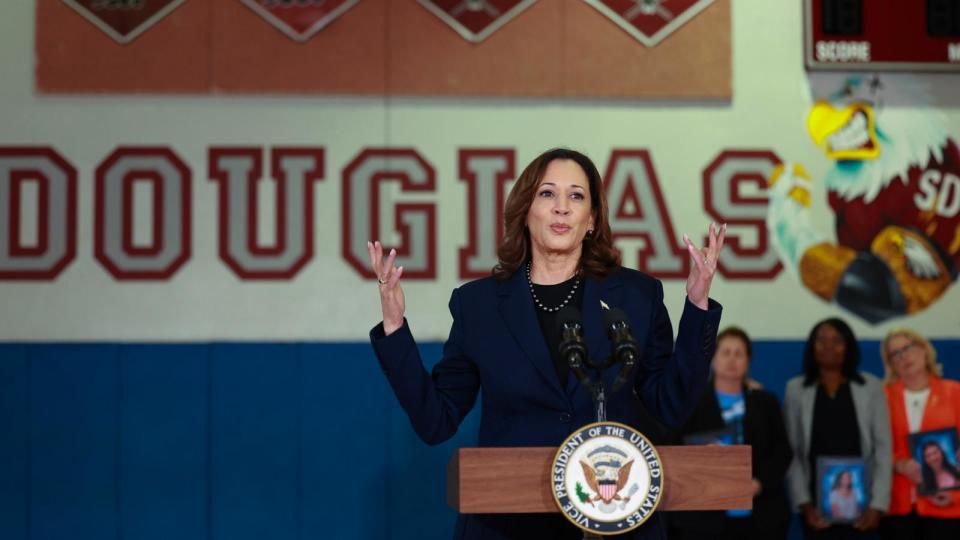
<point>704,266</point>
<point>391,294</point>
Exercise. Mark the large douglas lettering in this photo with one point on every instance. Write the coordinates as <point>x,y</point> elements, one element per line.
<point>637,210</point>
<point>725,180</point>
<point>44,172</point>
<point>115,179</point>
<point>487,173</point>
<point>142,203</point>
<point>237,172</point>
<point>364,181</point>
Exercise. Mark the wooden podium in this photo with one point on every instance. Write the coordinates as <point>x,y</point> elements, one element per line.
<point>517,480</point>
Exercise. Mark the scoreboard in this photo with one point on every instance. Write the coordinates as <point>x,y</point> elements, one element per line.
<point>887,35</point>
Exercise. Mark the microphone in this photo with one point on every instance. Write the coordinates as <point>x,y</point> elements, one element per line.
<point>572,347</point>
<point>625,348</point>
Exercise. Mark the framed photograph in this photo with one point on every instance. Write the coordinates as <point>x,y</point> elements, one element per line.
<point>936,452</point>
<point>725,436</point>
<point>841,488</point>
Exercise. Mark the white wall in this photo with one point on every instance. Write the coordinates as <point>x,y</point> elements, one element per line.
<point>328,301</point>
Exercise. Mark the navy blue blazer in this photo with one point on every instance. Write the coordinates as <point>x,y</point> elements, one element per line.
<point>496,347</point>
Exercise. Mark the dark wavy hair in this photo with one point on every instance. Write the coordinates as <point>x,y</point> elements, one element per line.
<point>929,477</point>
<point>598,259</point>
<point>851,358</point>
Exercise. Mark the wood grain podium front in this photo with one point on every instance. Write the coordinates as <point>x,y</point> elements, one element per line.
<point>518,480</point>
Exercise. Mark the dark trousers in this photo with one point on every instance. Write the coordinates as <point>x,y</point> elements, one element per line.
<point>734,528</point>
<point>838,532</point>
<point>914,527</point>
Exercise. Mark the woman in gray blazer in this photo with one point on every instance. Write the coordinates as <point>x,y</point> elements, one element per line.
<point>834,410</point>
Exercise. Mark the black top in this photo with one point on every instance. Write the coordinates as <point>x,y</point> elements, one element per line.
<point>552,296</point>
<point>764,431</point>
<point>835,431</point>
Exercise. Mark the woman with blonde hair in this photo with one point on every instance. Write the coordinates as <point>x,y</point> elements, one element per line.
<point>919,399</point>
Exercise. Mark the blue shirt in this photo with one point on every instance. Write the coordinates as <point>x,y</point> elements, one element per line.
<point>732,409</point>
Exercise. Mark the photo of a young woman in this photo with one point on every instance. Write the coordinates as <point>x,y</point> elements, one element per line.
<point>843,497</point>
<point>938,473</point>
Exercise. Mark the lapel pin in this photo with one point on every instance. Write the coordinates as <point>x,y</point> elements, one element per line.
<point>604,305</point>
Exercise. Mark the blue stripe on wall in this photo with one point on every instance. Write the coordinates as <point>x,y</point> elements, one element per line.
<point>346,453</point>
<point>775,362</point>
<point>163,457</point>
<point>236,441</point>
<point>417,472</point>
<point>255,461</point>
<point>14,437</point>
<point>74,437</point>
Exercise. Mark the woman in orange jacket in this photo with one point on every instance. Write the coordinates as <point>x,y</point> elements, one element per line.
<point>919,400</point>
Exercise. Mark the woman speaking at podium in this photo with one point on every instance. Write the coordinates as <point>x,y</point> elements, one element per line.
<point>557,251</point>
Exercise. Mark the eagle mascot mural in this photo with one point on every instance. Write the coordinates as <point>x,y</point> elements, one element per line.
<point>894,192</point>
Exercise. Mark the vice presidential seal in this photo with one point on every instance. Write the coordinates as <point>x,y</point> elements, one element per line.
<point>607,478</point>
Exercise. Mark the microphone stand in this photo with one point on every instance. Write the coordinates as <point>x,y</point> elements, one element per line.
<point>600,405</point>
<point>599,394</point>
<point>600,398</point>
<point>597,390</point>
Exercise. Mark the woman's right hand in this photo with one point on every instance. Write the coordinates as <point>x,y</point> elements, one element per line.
<point>909,468</point>
<point>813,518</point>
<point>391,294</point>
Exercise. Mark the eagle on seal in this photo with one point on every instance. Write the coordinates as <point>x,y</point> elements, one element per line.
<point>606,474</point>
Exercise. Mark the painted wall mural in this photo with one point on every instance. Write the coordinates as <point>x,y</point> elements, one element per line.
<point>894,192</point>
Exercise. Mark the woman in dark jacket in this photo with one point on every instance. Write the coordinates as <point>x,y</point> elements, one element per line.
<point>503,353</point>
<point>730,412</point>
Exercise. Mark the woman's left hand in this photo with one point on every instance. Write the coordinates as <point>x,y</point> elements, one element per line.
<point>941,499</point>
<point>909,468</point>
<point>704,265</point>
<point>868,521</point>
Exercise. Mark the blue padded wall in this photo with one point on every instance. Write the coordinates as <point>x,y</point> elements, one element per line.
<point>230,441</point>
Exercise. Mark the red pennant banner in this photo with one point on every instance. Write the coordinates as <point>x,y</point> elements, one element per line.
<point>124,20</point>
<point>650,21</point>
<point>475,20</point>
<point>300,19</point>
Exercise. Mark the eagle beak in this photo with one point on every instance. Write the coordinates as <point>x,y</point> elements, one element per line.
<point>844,134</point>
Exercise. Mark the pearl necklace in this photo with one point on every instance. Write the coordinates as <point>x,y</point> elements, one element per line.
<point>540,305</point>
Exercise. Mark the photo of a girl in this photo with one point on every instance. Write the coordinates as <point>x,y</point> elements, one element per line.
<point>937,470</point>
